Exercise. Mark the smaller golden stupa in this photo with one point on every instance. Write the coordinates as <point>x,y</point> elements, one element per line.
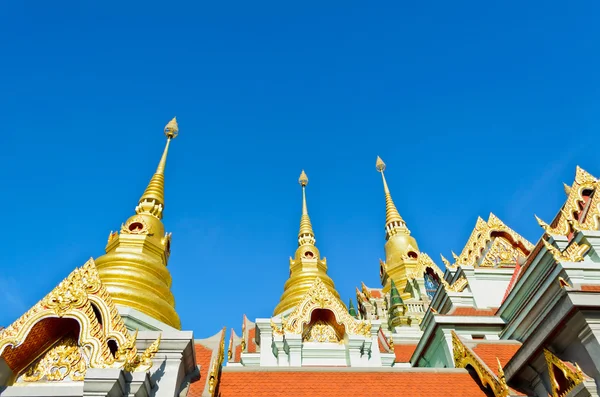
<point>307,264</point>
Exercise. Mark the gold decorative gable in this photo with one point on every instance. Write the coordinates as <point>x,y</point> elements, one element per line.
<point>424,261</point>
<point>319,297</point>
<point>506,245</point>
<point>581,210</point>
<point>563,378</point>
<point>69,327</point>
<point>464,356</point>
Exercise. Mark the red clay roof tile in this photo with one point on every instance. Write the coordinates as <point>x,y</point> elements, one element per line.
<point>472,311</point>
<point>488,352</point>
<point>343,384</point>
<point>203,356</point>
<point>404,352</point>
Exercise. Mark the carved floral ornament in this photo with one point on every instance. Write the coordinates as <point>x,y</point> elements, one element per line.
<point>319,297</point>
<point>463,356</point>
<point>501,251</point>
<point>81,297</point>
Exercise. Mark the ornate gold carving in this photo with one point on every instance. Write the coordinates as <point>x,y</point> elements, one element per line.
<point>216,366</point>
<point>573,253</point>
<point>82,297</point>
<point>135,225</point>
<point>321,331</point>
<point>68,295</point>
<point>572,376</point>
<point>567,220</point>
<point>424,262</point>
<point>278,331</point>
<point>459,285</point>
<point>502,250</point>
<point>62,360</point>
<point>464,356</point>
<point>319,297</point>
<point>130,360</point>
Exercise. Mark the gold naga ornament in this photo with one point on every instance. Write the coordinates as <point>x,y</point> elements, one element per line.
<point>82,298</point>
<point>134,268</point>
<point>571,376</point>
<point>464,356</point>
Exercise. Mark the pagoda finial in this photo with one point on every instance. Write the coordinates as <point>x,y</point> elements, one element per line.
<point>306,234</point>
<point>152,201</point>
<point>393,220</point>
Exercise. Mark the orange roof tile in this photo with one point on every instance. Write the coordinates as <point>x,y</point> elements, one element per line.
<point>375,293</point>
<point>488,352</point>
<point>251,340</point>
<point>472,311</point>
<point>203,356</point>
<point>404,352</point>
<point>343,384</point>
<point>590,288</point>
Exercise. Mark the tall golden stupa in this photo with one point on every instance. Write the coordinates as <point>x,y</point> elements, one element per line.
<point>401,249</point>
<point>134,268</point>
<point>307,264</point>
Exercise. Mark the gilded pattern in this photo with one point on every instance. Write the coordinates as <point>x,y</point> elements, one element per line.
<point>75,297</point>
<point>573,253</point>
<point>321,331</point>
<point>424,262</point>
<point>216,366</point>
<point>566,221</point>
<point>572,376</point>
<point>464,356</point>
<point>500,251</point>
<point>319,297</point>
<point>62,360</point>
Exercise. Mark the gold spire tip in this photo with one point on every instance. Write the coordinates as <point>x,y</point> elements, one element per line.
<point>303,180</point>
<point>379,164</point>
<point>172,129</point>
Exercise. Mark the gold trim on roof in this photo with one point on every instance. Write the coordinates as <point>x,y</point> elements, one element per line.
<point>319,297</point>
<point>424,261</point>
<point>574,252</point>
<point>567,221</point>
<point>573,376</point>
<point>501,251</point>
<point>463,356</point>
<point>76,297</point>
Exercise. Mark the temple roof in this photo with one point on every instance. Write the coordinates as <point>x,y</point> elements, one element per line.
<point>339,383</point>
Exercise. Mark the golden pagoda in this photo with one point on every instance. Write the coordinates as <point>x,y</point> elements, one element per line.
<point>401,249</point>
<point>307,264</point>
<point>134,268</point>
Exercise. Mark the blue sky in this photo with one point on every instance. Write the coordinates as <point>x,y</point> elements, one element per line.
<point>475,107</point>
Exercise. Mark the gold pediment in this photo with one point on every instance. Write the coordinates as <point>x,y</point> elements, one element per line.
<point>319,297</point>
<point>72,324</point>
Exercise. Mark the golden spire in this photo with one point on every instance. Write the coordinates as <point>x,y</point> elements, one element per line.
<point>307,264</point>
<point>134,268</point>
<point>401,249</point>
<point>153,199</point>
<point>306,233</point>
<point>393,220</point>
